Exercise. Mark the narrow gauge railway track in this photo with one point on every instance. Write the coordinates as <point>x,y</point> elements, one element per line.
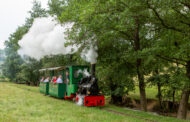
<point>125,114</point>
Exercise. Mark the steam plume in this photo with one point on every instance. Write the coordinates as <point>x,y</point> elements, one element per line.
<point>48,37</point>
<point>90,55</point>
<point>84,72</point>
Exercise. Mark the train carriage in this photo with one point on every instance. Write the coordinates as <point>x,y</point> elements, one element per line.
<point>57,90</point>
<point>44,86</point>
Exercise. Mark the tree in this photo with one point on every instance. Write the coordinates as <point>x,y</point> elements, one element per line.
<point>56,7</point>
<point>36,12</point>
<point>114,73</point>
<point>2,55</point>
<point>13,60</point>
<point>30,71</point>
<point>12,65</point>
<point>172,20</point>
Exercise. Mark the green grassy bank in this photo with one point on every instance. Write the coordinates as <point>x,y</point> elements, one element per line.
<point>20,103</point>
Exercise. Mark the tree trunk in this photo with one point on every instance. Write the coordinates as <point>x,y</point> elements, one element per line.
<point>71,59</point>
<point>142,90</point>
<point>159,90</point>
<point>139,69</point>
<point>173,95</point>
<point>115,99</point>
<point>182,111</point>
<point>159,95</point>
<point>38,83</point>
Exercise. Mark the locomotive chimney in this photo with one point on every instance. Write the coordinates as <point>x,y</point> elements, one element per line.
<point>93,69</point>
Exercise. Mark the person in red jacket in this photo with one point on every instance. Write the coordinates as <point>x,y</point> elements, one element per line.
<point>54,79</point>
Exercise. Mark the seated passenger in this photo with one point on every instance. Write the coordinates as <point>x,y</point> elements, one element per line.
<point>59,80</point>
<point>54,79</point>
<point>42,79</point>
<point>67,77</point>
<point>46,80</point>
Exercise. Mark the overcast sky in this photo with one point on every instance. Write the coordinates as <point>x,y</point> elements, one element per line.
<point>12,15</point>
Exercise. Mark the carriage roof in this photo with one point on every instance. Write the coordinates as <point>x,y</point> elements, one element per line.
<point>59,68</point>
<point>52,68</point>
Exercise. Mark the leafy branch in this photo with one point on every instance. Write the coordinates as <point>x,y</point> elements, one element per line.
<point>174,60</point>
<point>164,24</point>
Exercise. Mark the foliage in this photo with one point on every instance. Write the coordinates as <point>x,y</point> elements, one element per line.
<point>2,56</point>
<point>30,71</point>
<point>13,60</point>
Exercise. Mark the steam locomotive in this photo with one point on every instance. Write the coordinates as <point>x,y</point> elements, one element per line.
<point>83,90</point>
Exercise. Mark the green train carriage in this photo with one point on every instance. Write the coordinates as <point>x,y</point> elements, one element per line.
<point>65,90</point>
<point>44,87</point>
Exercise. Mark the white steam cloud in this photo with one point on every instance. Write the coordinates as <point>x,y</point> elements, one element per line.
<point>90,55</point>
<point>84,72</point>
<point>48,37</point>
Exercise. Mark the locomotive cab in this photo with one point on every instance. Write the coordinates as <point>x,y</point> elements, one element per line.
<point>72,77</point>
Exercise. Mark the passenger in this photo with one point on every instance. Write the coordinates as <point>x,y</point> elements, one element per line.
<point>67,77</point>
<point>46,80</point>
<point>59,80</point>
<point>54,79</point>
<point>42,79</point>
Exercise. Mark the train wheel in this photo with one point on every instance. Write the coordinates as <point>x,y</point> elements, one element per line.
<point>79,100</point>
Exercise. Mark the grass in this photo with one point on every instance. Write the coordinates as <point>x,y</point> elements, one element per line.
<point>151,93</point>
<point>144,115</point>
<point>20,103</point>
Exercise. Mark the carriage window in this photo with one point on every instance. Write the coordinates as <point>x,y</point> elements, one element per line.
<point>77,73</point>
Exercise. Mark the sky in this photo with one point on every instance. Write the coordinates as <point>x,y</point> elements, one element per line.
<point>12,15</point>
